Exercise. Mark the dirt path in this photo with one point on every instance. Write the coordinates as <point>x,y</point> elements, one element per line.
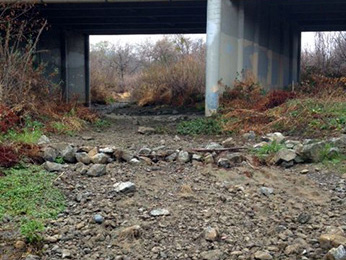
<point>213,213</point>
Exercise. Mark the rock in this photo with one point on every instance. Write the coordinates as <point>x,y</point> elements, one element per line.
<point>266,191</point>
<point>93,152</point>
<point>32,257</point>
<point>108,150</point>
<point>134,161</point>
<point>284,155</point>
<point>274,137</point>
<point>146,130</point>
<point>250,136</point>
<point>98,219</point>
<point>260,145</point>
<point>124,187</point>
<point>305,171</point>
<point>236,158</point>
<point>97,170</point>
<point>333,152</point>
<point>100,158</point>
<point>172,157</point>
<point>183,157</point>
<point>312,151</point>
<point>213,145</point>
<point>83,157</point>
<point>228,143</point>
<point>287,164</point>
<point>332,240</point>
<point>290,144</point>
<point>176,138</point>
<point>144,151</point>
<point>262,255</point>
<point>54,167</point>
<point>215,254</point>
<point>338,253</point>
<point>66,253</point>
<point>87,138</point>
<point>123,155</point>
<point>303,218</point>
<point>50,154</point>
<point>224,163</point>
<point>159,212</point>
<point>68,154</point>
<point>20,244</point>
<point>81,168</point>
<point>209,159</point>
<point>43,140</point>
<point>196,157</point>
<point>296,248</point>
<point>211,234</point>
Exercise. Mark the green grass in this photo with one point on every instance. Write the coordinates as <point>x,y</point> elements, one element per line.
<point>27,135</point>
<point>30,198</point>
<point>200,126</point>
<point>62,128</point>
<point>268,149</point>
<point>102,123</point>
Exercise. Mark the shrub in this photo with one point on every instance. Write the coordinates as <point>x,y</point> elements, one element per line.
<point>201,126</point>
<point>8,156</point>
<point>8,119</point>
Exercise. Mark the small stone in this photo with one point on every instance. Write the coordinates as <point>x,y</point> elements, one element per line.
<point>236,158</point>
<point>209,159</point>
<point>144,151</point>
<point>338,253</point>
<point>172,157</point>
<point>97,170</point>
<point>98,219</point>
<point>108,150</point>
<point>53,167</point>
<point>159,212</point>
<point>228,143</point>
<point>100,158</point>
<point>146,130</point>
<point>135,161</point>
<point>93,152</point>
<point>43,140</point>
<point>277,137</point>
<point>266,191</point>
<point>304,218</point>
<point>20,244</point>
<point>124,187</point>
<point>83,157</point>
<point>66,253</point>
<point>224,163</point>
<point>215,254</point>
<point>183,157</point>
<point>305,171</point>
<point>87,138</point>
<point>196,157</point>
<point>294,249</point>
<point>284,155</point>
<point>50,154</point>
<point>332,240</point>
<point>211,234</point>
<point>213,145</point>
<point>32,257</point>
<point>68,154</point>
<point>262,255</point>
<point>176,138</point>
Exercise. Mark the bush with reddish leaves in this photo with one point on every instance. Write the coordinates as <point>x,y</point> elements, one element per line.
<point>8,156</point>
<point>273,99</point>
<point>8,119</point>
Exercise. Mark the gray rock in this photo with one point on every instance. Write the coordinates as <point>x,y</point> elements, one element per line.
<point>262,255</point>
<point>250,136</point>
<point>97,170</point>
<point>32,257</point>
<point>172,157</point>
<point>100,158</point>
<point>68,154</point>
<point>228,143</point>
<point>291,144</point>
<point>277,137</point>
<point>266,191</point>
<point>183,157</point>
<point>176,138</point>
<point>284,155</point>
<point>146,130</point>
<point>236,158</point>
<point>43,140</point>
<point>213,145</point>
<point>208,159</point>
<point>83,157</point>
<point>159,212</point>
<point>211,234</point>
<point>98,219</point>
<point>135,161</point>
<point>54,167</point>
<point>87,138</point>
<point>49,154</point>
<point>108,150</point>
<point>333,152</point>
<point>338,253</point>
<point>215,254</point>
<point>224,163</point>
<point>144,151</point>
<point>124,187</point>
<point>196,157</point>
<point>312,152</point>
<point>124,155</point>
<point>66,253</point>
<point>304,218</point>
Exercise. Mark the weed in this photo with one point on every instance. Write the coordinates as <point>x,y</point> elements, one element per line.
<point>28,194</point>
<point>59,160</point>
<point>102,123</point>
<point>27,135</point>
<point>200,126</point>
<point>8,156</point>
<point>268,149</point>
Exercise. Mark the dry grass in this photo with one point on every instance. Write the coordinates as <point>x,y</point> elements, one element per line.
<point>130,233</point>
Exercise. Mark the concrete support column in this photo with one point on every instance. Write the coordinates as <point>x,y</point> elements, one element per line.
<point>222,50</point>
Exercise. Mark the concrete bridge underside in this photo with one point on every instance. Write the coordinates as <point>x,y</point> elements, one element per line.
<point>259,36</point>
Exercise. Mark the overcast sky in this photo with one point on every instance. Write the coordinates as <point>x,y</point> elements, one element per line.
<point>307,38</point>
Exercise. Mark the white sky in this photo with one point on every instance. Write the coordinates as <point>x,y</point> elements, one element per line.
<point>308,38</point>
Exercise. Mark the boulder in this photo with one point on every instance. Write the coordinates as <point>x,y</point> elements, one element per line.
<point>96,170</point>
<point>284,155</point>
<point>53,167</point>
<point>68,153</point>
<point>100,158</point>
<point>83,157</point>
<point>49,154</point>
